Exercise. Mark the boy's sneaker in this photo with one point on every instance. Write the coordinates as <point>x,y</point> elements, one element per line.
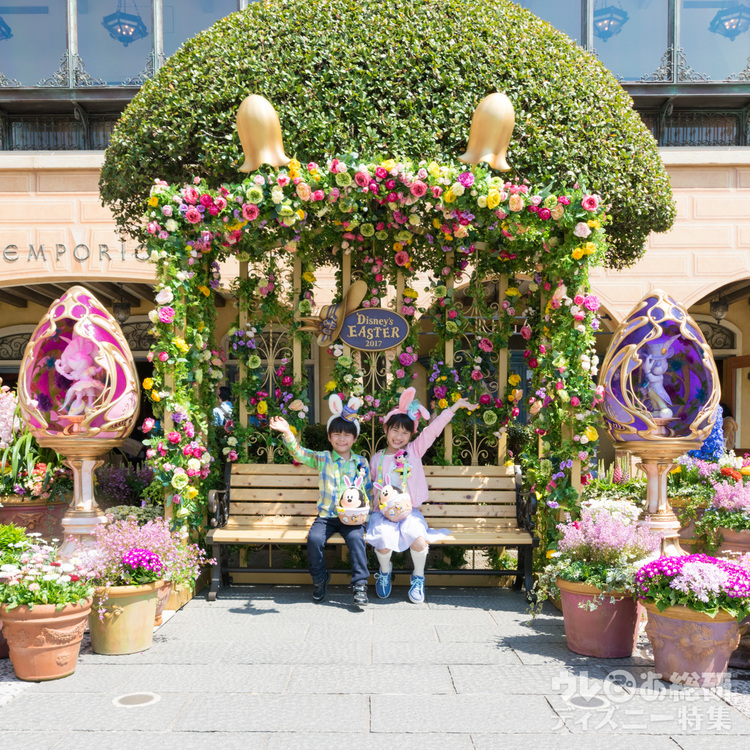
<point>416,590</point>
<point>319,589</point>
<point>360,594</point>
<point>383,584</point>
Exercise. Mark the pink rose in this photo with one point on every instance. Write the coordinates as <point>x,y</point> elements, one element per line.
<point>232,456</point>
<point>466,179</point>
<point>452,314</point>
<point>485,399</point>
<point>418,188</point>
<point>582,230</point>
<point>282,180</point>
<point>591,303</point>
<point>303,191</point>
<point>163,356</point>
<point>333,194</point>
<point>173,437</point>
<point>362,179</point>
<point>578,299</point>
<point>400,373</point>
<point>318,195</point>
<point>206,200</point>
<point>436,191</point>
<point>485,345</point>
<point>189,430</point>
<point>380,173</point>
<point>193,215</point>
<point>287,380</point>
<point>533,364</point>
<point>476,375</point>
<point>575,401</point>
<point>220,203</point>
<point>402,258</point>
<point>166,315</point>
<point>526,332</point>
<point>250,212</point>
<point>148,424</point>
<point>590,202</point>
<point>150,453</point>
<point>544,214</point>
<point>190,195</point>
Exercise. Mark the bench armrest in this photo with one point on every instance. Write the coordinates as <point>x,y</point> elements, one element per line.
<point>525,505</point>
<point>218,508</point>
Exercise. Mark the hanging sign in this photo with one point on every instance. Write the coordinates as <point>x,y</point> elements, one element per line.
<point>374,329</point>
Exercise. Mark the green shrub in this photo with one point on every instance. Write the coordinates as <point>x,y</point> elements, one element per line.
<point>392,77</point>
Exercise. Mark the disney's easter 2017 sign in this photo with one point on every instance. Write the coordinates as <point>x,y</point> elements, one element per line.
<point>374,329</point>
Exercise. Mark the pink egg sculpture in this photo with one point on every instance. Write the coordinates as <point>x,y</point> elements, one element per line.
<point>78,378</point>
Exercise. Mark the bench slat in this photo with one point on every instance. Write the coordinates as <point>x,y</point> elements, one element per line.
<point>429,511</point>
<point>296,495</point>
<point>271,469</point>
<point>476,482</point>
<point>259,524</point>
<point>464,471</point>
<point>264,494</point>
<point>273,481</point>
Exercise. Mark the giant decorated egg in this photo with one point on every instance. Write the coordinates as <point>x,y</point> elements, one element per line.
<point>78,377</point>
<point>659,376</point>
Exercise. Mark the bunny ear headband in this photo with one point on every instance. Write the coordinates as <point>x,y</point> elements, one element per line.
<point>409,405</point>
<point>347,412</point>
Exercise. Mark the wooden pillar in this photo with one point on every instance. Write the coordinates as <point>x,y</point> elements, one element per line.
<point>346,281</point>
<point>449,354</point>
<point>502,371</point>
<point>297,364</point>
<point>244,272</point>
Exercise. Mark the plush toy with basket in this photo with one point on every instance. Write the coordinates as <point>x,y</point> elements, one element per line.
<point>394,505</point>
<point>353,508</point>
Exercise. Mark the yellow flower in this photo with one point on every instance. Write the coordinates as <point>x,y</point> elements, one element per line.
<point>293,429</point>
<point>155,396</point>
<point>201,325</point>
<point>593,223</point>
<point>434,168</point>
<point>410,293</point>
<point>455,397</point>
<point>191,492</point>
<point>577,253</point>
<point>443,377</point>
<point>514,379</point>
<point>436,223</point>
<point>449,196</point>
<point>591,433</point>
<point>589,248</point>
<point>301,214</point>
<point>398,247</point>
<point>309,277</point>
<point>442,403</point>
<point>205,291</point>
<point>493,199</point>
<point>153,201</point>
<point>181,345</point>
<point>330,386</point>
<point>293,174</point>
<point>512,292</point>
<point>745,471</point>
<point>148,384</point>
<point>676,470</point>
<point>294,164</point>
<point>262,407</point>
<point>388,164</point>
<point>449,238</point>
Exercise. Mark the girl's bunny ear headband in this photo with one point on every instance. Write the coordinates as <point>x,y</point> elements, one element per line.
<point>347,412</point>
<point>409,405</point>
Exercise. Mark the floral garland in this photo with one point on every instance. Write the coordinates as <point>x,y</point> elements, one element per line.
<point>394,217</point>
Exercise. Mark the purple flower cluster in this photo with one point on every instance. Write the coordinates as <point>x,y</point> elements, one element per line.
<point>731,496</point>
<point>142,559</point>
<point>694,579</point>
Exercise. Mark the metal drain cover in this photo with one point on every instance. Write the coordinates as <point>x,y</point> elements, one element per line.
<point>136,700</point>
<point>581,701</point>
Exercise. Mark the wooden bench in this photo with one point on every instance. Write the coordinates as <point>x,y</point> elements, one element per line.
<point>271,504</point>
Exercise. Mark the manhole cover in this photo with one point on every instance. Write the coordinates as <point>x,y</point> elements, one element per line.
<point>136,700</point>
<point>581,701</point>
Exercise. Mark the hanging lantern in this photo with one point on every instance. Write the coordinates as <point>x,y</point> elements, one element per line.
<point>125,27</point>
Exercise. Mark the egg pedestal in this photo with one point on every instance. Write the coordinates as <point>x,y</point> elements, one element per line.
<point>78,392</point>
<point>661,395</point>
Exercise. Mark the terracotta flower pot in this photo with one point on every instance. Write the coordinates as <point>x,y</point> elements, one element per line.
<point>734,541</point>
<point>161,602</point>
<point>128,622</point>
<point>44,642</point>
<point>690,647</point>
<point>608,632</point>
<point>4,651</point>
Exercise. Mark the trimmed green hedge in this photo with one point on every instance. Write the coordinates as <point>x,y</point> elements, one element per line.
<point>395,78</point>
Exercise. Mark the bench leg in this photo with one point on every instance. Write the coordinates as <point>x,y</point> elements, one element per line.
<point>518,582</point>
<point>528,573</point>
<point>215,573</point>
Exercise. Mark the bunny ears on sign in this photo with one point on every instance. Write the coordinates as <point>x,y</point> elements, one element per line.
<point>409,405</point>
<point>346,411</point>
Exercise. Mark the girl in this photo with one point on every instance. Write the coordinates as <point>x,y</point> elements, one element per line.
<point>400,465</point>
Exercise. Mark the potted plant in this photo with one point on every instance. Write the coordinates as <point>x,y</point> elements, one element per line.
<point>44,605</point>
<point>593,572</point>
<point>725,523</point>
<point>694,605</point>
<point>128,577</point>
<point>11,537</point>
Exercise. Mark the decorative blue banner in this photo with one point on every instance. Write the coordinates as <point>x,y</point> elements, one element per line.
<point>374,329</point>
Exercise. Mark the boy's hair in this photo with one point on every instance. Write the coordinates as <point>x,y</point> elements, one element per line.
<point>339,424</point>
<point>404,421</point>
<point>225,392</point>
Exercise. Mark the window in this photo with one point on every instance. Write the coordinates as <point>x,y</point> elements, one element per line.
<point>184,19</point>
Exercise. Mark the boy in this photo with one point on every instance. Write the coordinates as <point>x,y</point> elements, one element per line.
<point>334,465</point>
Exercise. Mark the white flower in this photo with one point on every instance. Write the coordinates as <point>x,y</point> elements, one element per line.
<point>415,220</point>
<point>171,225</point>
<point>63,579</point>
<point>153,316</point>
<point>232,441</point>
<point>194,464</point>
<point>457,189</point>
<point>50,577</point>
<point>164,297</point>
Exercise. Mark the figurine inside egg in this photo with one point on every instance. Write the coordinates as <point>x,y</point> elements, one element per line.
<point>78,376</point>
<point>659,376</point>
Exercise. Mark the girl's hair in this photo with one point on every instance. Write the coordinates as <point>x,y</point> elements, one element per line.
<point>404,421</point>
<point>339,424</point>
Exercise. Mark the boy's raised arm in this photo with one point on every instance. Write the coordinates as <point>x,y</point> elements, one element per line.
<point>313,459</point>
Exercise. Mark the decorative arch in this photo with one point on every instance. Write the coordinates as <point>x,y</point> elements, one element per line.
<point>725,338</point>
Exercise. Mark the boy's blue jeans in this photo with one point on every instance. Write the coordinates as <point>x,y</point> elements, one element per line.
<point>354,536</point>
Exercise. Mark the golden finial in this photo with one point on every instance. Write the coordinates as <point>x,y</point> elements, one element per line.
<point>491,128</point>
<point>260,134</point>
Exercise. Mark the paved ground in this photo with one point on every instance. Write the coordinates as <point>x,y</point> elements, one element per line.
<point>264,667</point>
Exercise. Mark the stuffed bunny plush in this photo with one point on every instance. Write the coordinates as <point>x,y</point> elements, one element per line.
<point>346,411</point>
<point>394,505</point>
<point>352,507</point>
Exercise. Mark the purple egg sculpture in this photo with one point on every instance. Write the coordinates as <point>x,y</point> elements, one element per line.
<point>659,377</point>
<point>78,378</point>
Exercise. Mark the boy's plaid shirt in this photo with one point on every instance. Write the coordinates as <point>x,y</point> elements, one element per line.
<point>332,469</point>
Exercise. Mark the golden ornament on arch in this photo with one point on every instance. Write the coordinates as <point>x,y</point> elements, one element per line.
<point>260,134</point>
<point>491,129</point>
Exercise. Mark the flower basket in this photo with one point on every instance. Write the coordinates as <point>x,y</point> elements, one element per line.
<point>608,632</point>
<point>127,623</point>
<point>691,647</point>
<point>44,642</point>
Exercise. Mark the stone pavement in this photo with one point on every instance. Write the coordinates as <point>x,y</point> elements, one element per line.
<point>264,667</point>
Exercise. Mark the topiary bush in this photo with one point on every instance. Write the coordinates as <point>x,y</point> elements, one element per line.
<point>394,78</point>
